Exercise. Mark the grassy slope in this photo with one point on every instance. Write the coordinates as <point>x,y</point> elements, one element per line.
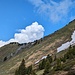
<point>47,46</point>
<point>7,50</point>
<point>66,66</point>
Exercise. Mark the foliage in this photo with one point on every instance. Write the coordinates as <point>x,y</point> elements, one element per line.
<point>5,58</point>
<point>49,58</point>
<point>47,67</point>
<point>29,70</point>
<point>58,65</point>
<point>42,64</point>
<point>22,69</point>
<point>70,54</point>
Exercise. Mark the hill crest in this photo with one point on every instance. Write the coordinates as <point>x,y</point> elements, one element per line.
<point>48,45</point>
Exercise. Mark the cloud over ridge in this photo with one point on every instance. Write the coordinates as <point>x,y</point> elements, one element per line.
<point>29,34</point>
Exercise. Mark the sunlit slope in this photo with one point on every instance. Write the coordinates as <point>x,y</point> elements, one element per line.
<point>48,45</point>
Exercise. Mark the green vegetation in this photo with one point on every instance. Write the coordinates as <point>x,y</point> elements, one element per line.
<point>45,64</point>
<point>58,65</point>
<point>7,50</point>
<point>47,67</point>
<point>42,64</point>
<point>22,70</point>
<point>48,45</point>
<point>61,64</point>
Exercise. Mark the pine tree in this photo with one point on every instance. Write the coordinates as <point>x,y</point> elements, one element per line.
<point>47,67</point>
<point>42,64</point>
<point>49,58</point>
<point>22,69</point>
<point>29,70</point>
<point>58,65</point>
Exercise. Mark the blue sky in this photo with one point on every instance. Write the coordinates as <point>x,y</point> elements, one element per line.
<point>21,19</point>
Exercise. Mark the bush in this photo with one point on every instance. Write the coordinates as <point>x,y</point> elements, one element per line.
<point>5,58</point>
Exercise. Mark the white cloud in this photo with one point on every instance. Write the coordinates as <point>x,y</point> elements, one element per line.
<point>2,43</point>
<point>56,11</point>
<point>37,3</point>
<point>29,34</point>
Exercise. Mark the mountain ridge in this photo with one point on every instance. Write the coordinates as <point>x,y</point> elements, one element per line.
<point>48,45</point>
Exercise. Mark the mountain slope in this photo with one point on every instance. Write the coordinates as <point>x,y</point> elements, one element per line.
<point>48,45</point>
<point>8,50</point>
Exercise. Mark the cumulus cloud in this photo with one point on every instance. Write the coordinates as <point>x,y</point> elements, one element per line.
<point>56,11</point>
<point>29,34</point>
<point>67,44</point>
<point>2,43</point>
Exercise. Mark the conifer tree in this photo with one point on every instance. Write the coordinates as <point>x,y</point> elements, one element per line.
<point>49,58</point>
<point>42,64</point>
<point>58,65</point>
<point>22,69</point>
<point>29,70</point>
<point>47,67</point>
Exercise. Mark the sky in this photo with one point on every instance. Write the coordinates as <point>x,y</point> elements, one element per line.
<point>24,21</point>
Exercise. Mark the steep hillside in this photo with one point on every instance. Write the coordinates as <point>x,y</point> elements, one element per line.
<point>63,65</point>
<point>48,45</point>
<point>8,50</point>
